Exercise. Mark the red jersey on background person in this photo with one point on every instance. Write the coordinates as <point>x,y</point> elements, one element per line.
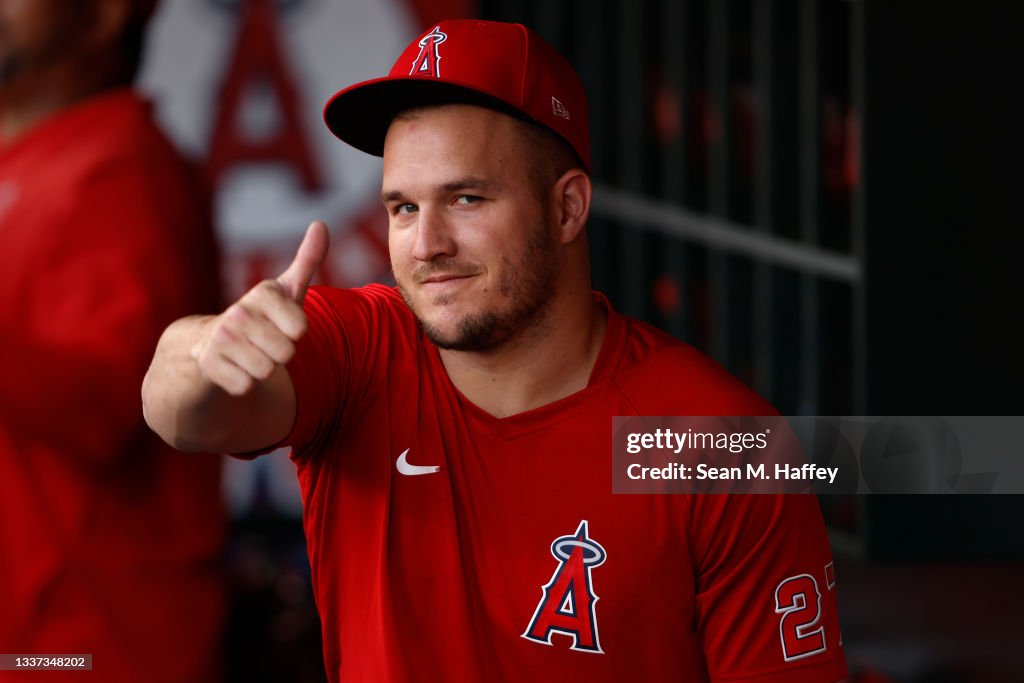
<point>452,435</point>
<point>109,541</point>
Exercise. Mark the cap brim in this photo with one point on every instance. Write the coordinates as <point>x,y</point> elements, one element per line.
<point>361,114</point>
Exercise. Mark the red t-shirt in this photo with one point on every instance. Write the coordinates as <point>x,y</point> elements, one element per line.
<point>109,540</point>
<point>513,560</point>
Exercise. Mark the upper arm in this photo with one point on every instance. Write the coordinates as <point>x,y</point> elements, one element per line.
<point>766,588</point>
<point>269,420</point>
<point>301,401</point>
<point>344,356</point>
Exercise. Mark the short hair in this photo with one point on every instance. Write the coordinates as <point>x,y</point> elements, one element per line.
<point>549,155</point>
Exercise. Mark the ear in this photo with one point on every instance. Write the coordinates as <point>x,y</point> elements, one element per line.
<point>571,196</point>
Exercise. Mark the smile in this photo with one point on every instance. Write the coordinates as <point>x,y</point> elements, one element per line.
<point>443,283</point>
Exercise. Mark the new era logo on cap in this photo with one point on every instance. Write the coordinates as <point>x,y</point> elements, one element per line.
<point>558,109</point>
<point>492,64</point>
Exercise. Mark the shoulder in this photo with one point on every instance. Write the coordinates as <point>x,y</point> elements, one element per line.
<point>372,300</point>
<point>111,152</point>
<point>661,375</point>
<point>112,127</point>
<point>115,160</point>
<point>356,338</point>
<point>377,310</point>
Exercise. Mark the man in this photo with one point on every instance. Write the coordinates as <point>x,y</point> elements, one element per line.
<point>109,541</point>
<point>452,435</point>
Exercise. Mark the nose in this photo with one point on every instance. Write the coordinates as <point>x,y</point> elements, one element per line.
<point>433,236</point>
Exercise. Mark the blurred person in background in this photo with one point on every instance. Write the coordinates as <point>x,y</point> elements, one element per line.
<point>110,543</point>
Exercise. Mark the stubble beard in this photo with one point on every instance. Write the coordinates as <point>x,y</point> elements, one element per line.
<point>528,284</point>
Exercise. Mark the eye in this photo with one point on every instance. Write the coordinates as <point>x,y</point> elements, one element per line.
<point>404,209</point>
<point>466,199</point>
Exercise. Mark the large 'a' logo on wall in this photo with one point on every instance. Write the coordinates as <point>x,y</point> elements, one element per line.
<point>259,60</point>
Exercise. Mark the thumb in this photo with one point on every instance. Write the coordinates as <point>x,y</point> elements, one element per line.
<point>311,254</point>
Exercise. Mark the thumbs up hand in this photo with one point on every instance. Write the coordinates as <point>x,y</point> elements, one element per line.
<point>245,344</point>
<point>308,259</point>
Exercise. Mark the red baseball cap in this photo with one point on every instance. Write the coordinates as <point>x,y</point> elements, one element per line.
<point>506,67</point>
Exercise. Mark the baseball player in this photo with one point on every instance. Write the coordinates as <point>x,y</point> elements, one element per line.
<point>109,540</point>
<point>452,434</point>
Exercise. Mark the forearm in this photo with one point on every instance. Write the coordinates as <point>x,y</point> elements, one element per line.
<point>191,413</point>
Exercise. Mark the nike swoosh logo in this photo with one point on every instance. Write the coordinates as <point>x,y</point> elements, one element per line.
<point>412,470</point>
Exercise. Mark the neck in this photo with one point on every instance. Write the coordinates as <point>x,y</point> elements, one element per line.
<point>548,363</point>
<point>24,105</point>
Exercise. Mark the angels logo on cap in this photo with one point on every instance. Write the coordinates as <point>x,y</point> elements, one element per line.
<point>429,60</point>
<point>493,64</point>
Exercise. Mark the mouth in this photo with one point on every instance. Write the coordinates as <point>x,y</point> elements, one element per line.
<point>441,278</point>
<point>444,284</point>
<point>444,288</point>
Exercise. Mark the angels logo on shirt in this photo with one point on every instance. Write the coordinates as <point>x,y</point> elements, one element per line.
<point>568,601</point>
